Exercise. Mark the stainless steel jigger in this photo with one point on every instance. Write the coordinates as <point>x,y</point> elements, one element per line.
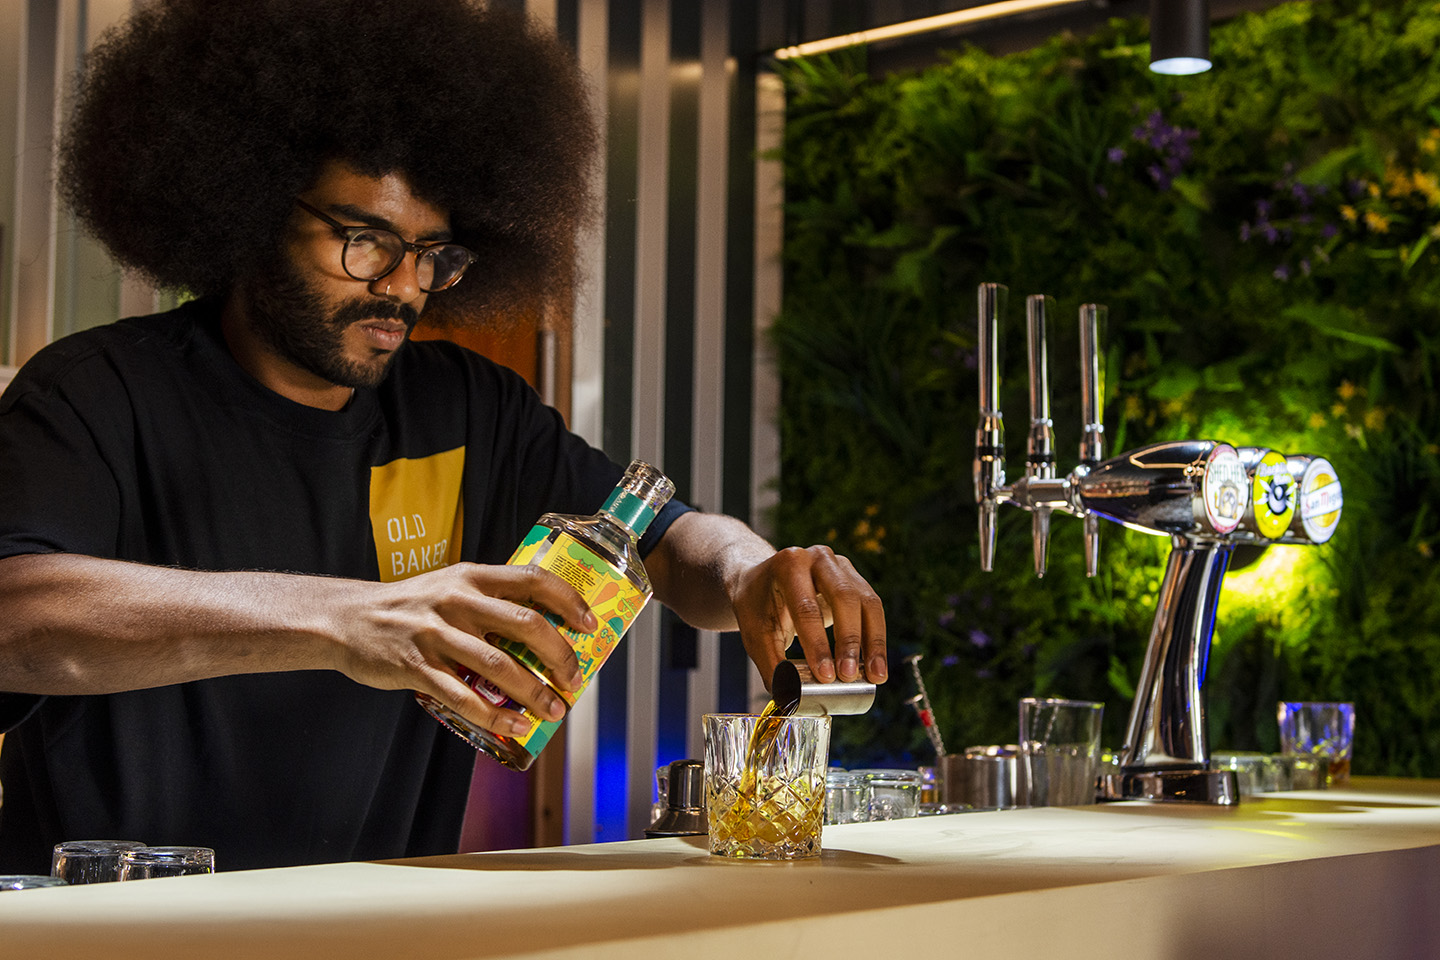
<point>1206,496</point>
<point>793,683</point>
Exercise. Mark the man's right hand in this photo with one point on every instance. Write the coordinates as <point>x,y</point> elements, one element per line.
<point>424,632</point>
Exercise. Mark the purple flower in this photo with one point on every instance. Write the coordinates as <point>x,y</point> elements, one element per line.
<point>1115,154</point>
<point>1271,234</point>
<point>1245,232</point>
<point>1329,230</point>
<point>984,673</point>
<point>1263,208</point>
<point>1101,192</point>
<point>1282,272</point>
<point>949,660</point>
<point>980,639</point>
<point>946,618</point>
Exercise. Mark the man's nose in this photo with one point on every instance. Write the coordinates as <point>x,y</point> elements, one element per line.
<point>402,284</point>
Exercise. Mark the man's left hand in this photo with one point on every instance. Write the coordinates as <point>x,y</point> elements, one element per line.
<point>800,591</point>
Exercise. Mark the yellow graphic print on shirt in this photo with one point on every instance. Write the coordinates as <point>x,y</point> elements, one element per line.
<point>416,513</point>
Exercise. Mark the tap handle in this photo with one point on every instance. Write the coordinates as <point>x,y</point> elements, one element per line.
<point>990,433</point>
<point>1092,405</point>
<point>1040,450</point>
<point>1040,445</point>
<point>1092,384</point>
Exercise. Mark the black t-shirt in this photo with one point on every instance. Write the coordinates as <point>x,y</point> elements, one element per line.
<point>143,440</point>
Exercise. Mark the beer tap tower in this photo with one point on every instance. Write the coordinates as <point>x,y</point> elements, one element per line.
<point>1206,496</point>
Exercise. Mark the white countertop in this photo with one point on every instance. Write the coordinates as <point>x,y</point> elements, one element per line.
<point>1343,873</point>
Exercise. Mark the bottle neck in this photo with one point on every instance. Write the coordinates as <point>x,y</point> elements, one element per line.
<point>630,511</point>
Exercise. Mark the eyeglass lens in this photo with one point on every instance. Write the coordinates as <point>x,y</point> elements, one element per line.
<point>372,253</point>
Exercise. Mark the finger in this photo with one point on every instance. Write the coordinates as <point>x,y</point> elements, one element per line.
<point>529,584</point>
<point>847,617</point>
<point>494,606</point>
<point>504,673</point>
<point>877,659</point>
<point>545,648</point>
<point>765,639</point>
<point>446,688</point>
<point>858,619</point>
<point>795,582</point>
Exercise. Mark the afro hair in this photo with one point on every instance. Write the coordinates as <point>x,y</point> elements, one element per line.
<point>198,123</point>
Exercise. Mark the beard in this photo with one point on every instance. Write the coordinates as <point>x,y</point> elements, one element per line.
<point>294,319</point>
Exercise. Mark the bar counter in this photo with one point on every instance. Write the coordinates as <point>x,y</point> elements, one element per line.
<point>1351,872</point>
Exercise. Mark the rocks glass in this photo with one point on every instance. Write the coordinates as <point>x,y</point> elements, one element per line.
<point>765,785</point>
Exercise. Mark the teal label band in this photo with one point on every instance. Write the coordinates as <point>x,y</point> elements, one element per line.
<point>629,510</point>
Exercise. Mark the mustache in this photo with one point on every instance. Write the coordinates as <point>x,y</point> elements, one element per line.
<point>353,311</point>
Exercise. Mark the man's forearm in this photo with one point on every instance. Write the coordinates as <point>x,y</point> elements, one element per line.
<point>78,625</point>
<point>695,567</point>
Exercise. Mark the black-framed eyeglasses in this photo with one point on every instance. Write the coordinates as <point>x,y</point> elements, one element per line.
<point>374,252</point>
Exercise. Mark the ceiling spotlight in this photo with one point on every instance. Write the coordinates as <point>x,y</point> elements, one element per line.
<point>1179,36</point>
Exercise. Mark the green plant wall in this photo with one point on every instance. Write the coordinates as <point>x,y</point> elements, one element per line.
<point>1265,238</point>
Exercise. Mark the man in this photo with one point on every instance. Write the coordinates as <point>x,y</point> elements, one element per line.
<point>203,638</point>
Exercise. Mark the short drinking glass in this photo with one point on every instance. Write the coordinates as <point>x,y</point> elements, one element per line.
<point>1322,731</point>
<point>90,861</point>
<point>765,785</point>
<point>150,862</point>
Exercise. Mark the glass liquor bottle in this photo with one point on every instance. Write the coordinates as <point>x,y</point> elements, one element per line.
<point>599,556</point>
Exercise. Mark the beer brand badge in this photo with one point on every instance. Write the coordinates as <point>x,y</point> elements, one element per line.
<point>1225,488</point>
<point>1321,500</point>
<point>1272,490</point>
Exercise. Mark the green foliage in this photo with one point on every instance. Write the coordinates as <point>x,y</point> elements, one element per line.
<point>1264,236</point>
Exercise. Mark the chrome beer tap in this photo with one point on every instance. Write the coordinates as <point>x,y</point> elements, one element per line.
<point>1205,496</point>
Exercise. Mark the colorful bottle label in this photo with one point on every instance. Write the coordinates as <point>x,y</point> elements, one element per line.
<point>615,601</point>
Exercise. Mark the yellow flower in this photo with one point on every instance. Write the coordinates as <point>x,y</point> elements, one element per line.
<point>1346,390</point>
<point>1429,185</point>
<point>1132,408</point>
<point>1430,143</point>
<point>1373,189</point>
<point>1375,418</point>
<point>1348,212</point>
<point>1354,431</point>
<point>880,533</point>
<point>1398,182</point>
<point>832,535</point>
<point>1338,410</point>
<point>1376,222</point>
<point>1317,420</point>
<point>1424,548</point>
<point>873,509</point>
<point>871,545</point>
<point>862,529</point>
